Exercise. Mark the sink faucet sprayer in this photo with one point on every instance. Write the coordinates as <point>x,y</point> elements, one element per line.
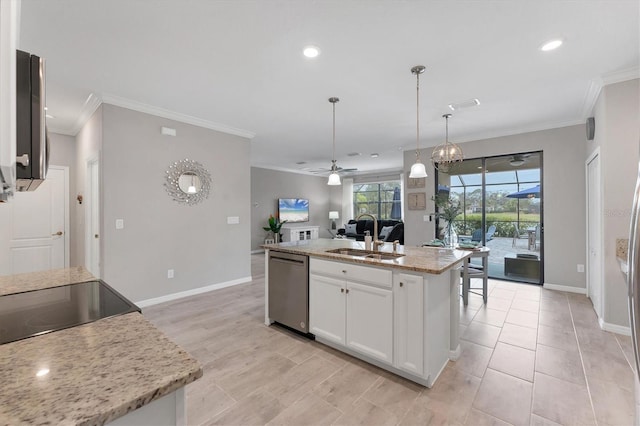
<point>376,242</point>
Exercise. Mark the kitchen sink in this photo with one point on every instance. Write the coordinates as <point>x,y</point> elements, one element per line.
<point>350,252</point>
<point>383,256</point>
<point>365,253</point>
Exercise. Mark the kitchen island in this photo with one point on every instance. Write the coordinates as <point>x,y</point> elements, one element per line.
<point>398,311</point>
<point>121,369</point>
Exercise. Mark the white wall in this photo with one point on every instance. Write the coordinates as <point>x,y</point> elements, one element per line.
<point>88,146</point>
<point>63,153</point>
<point>617,117</point>
<point>269,185</point>
<point>564,196</point>
<point>160,234</point>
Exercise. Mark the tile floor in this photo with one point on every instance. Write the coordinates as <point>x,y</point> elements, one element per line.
<point>529,357</point>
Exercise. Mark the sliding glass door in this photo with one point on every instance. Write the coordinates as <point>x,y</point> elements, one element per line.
<point>501,199</point>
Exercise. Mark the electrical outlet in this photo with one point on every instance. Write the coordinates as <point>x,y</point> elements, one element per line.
<point>426,218</point>
<point>580,268</point>
<point>170,273</point>
<point>119,223</point>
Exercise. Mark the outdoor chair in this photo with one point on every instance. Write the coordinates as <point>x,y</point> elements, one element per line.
<point>476,236</point>
<point>518,235</point>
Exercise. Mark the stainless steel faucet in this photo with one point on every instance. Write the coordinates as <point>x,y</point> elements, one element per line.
<point>376,243</point>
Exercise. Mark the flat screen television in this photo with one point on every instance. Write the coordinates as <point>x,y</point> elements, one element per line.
<point>293,209</point>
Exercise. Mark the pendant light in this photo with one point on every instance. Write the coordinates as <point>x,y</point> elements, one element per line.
<point>334,177</point>
<point>418,170</point>
<point>445,156</point>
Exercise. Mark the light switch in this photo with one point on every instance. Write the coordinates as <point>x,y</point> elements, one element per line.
<point>119,223</point>
<point>233,220</point>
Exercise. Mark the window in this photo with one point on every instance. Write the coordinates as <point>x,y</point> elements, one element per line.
<point>381,199</point>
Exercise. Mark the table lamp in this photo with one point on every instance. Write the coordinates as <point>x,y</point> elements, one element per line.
<point>333,215</point>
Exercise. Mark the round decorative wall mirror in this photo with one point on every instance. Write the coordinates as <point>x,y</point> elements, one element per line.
<point>188,182</point>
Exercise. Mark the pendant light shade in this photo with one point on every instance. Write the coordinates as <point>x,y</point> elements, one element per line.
<point>418,170</point>
<point>334,177</point>
<point>445,156</point>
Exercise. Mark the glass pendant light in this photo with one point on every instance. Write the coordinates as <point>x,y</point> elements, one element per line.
<point>334,177</point>
<point>446,155</point>
<point>418,170</point>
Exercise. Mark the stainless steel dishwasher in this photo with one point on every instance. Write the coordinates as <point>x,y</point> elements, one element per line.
<point>289,290</point>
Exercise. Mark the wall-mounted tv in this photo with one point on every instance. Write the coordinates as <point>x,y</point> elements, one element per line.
<point>293,209</point>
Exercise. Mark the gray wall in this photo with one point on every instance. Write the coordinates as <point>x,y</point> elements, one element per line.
<point>160,234</point>
<point>63,153</point>
<point>617,115</point>
<point>269,185</point>
<point>564,196</point>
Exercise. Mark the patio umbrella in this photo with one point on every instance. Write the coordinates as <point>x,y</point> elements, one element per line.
<point>527,193</point>
<point>395,208</point>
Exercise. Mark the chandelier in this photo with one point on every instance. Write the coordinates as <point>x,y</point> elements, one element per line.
<point>446,155</point>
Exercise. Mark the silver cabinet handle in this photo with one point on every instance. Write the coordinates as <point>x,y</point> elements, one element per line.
<point>23,159</point>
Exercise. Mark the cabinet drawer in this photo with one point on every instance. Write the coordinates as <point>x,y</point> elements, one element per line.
<point>352,272</point>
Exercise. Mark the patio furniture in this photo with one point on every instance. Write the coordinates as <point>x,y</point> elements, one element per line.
<point>471,270</point>
<point>518,235</point>
<point>476,236</point>
<point>522,265</point>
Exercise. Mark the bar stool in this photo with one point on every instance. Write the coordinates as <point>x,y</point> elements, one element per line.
<point>475,271</point>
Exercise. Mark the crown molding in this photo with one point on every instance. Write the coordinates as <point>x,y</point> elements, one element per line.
<point>538,127</point>
<point>172,115</point>
<point>89,107</point>
<point>591,97</point>
<point>620,76</point>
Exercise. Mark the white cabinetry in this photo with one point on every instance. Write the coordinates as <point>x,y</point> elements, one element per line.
<point>352,306</point>
<point>299,233</point>
<point>409,322</point>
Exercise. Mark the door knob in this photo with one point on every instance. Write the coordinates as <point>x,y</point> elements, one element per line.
<point>57,233</point>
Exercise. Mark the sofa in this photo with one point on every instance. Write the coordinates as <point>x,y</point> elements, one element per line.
<point>394,229</point>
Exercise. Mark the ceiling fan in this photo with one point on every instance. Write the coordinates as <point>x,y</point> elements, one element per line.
<point>338,168</point>
<point>518,160</point>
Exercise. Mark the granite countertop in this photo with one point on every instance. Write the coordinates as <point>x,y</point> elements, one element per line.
<point>97,371</point>
<point>18,283</point>
<point>432,260</point>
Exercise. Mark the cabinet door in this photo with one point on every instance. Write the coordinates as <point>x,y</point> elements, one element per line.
<point>370,321</point>
<point>409,323</point>
<point>327,308</point>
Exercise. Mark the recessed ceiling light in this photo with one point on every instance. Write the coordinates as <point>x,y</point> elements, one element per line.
<point>465,104</point>
<point>301,162</point>
<point>551,45</point>
<point>375,155</point>
<point>354,154</point>
<point>311,51</point>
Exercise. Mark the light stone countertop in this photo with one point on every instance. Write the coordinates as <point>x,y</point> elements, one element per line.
<point>432,260</point>
<point>10,284</point>
<point>97,371</point>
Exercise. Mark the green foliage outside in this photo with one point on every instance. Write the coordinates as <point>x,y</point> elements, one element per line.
<point>505,222</point>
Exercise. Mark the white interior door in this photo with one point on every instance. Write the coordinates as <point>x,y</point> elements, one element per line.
<point>594,233</point>
<point>39,222</point>
<point>92,222</point>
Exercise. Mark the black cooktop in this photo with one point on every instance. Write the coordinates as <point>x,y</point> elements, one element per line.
<point>37,312</point>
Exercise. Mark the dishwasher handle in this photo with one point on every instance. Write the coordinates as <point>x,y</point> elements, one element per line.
<point>284,260</point>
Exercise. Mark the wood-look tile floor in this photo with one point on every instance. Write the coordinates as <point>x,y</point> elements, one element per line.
<point>529,357</point>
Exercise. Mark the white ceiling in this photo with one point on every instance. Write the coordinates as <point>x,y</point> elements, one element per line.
<point>240,64</point>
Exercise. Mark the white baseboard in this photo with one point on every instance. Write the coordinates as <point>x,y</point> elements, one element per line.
<point>567,288</point>
<point>257,251</point>
<point>614,328</point>
<point>192,292</point>
<point>454,355</point>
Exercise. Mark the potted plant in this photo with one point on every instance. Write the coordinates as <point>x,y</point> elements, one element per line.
<point>274,227</point>
<point>448,210</point>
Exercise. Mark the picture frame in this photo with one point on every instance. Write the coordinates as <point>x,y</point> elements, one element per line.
<point>417,201</point>
<point>413,183</point>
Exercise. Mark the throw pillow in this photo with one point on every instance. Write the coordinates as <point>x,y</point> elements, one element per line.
<point>350,229</point>
<point>385,231</point>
